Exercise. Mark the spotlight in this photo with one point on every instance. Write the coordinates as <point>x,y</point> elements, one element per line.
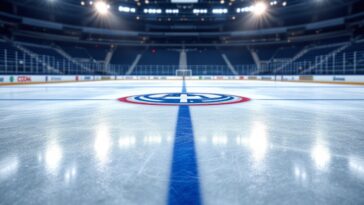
<point>126,9</point>
<point>219,11</point>
<point>172,11</point>
<point>199,11</point>
<point>259,8</point>
<point>101,7</point>
<point>152,11</point>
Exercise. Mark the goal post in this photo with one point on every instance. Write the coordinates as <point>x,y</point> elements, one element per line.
<point>183,72</point>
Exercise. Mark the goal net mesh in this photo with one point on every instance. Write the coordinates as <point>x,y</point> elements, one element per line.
<point>183,72</point>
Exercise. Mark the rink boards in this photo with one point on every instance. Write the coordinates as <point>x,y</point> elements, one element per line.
<point>74,78</point>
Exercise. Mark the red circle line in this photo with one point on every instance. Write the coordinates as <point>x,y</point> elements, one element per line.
<point>126,100</point>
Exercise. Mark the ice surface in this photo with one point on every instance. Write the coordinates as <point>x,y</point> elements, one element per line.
<point>74,143</point>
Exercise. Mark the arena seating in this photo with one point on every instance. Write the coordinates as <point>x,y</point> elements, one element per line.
<point>77,52</point>
<point>238,56</point>
<point>156,56</point>
<point>124,55</point>
<point>207,56</point>
<point>286,52</point>
<point>165,61</point>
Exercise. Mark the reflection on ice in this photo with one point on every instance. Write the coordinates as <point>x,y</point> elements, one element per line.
<point>153,139</point>
<point>257,141</point>
<point>169,138</point>
<point>356,165</point>
<point>299,174</point>
<point>8,166</point>
<point>127,142</point>
<point>103,143</point>
<point>321,155</point>
<point>70,174</point>
<point>219,140</point>
<point>53,157</point>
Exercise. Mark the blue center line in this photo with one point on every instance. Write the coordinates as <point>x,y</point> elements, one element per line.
<point>184,187</point>
<point>184,89</point>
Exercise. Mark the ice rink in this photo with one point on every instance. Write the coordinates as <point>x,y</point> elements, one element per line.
<point>75,143</point>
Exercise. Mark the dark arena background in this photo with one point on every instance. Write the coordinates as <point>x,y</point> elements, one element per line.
<point>257,102</point>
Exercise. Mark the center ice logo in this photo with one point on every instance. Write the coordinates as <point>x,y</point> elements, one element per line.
<point>190,99</point>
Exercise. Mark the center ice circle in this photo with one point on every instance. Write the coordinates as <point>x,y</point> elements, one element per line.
<point>190,99</point>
